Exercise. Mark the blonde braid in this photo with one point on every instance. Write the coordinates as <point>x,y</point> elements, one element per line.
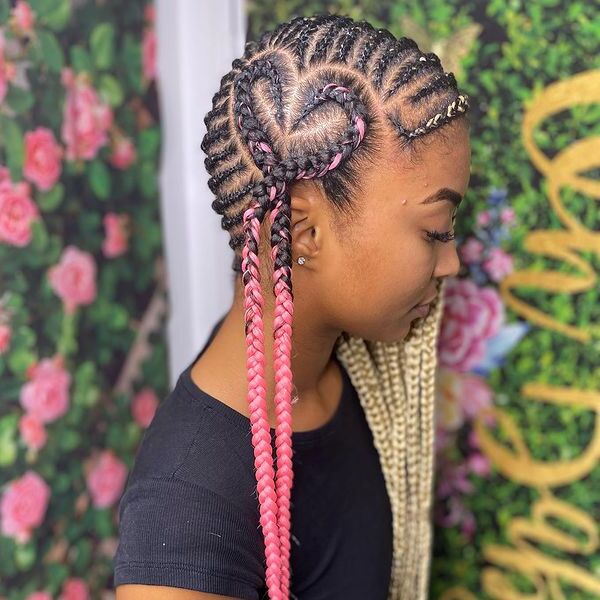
<point>428,370</point>
<point>395,384</point>
<point>399,422</point>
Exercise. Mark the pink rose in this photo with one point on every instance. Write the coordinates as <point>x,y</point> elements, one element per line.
<point>478,464</point>
<point>150,13</point>
<point>74,588</point>
<point>5,335</point>
<point>471,316</point>
<point>17,212</point>
<point>498,264</point>
<point>106,479</point>
<point>86,118</point>
<point>484,218</point>
<point>471,251</point>
<point>149,54</point>
<point>5,175</point>
<point>475,395</point>
<point>143,406</point>
<point>23,506</point>
<point>22,18</point>
<point>42,158</point>
<point>469,526</point>
<point>473,438</point>
<point>123,154</point>
<point>117,232</point>
<point>32,431</point>
<point>74,278</point>
<point>459,397</point>
<point>442,438</point>
<point>507,215</point>
<point>46,395</point>
<point>39,596</point>
<point>7,70</point>
<point>453,480</point>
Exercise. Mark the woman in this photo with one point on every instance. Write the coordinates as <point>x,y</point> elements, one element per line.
<point>299,464</point>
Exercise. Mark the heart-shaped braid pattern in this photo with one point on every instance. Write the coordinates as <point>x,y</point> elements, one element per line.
<point>309,100</point>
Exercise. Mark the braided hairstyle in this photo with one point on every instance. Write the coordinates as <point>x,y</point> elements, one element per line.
<point>310,100</point>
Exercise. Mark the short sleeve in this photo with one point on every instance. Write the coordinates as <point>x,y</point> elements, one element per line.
<point>175,533</point>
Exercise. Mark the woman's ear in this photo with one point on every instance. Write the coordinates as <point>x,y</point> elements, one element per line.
<point>306,223</point>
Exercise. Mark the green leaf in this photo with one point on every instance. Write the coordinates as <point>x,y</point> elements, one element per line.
<point>56,574</point>
<point>54,13</point>
<point>19,360</point>
<point>99,178</point>
<point>18,99</point>
<point>39,238</point>
<point>83,555</point>
<point>86,397</point>
<point>51,52</point>
<point>62,481</point>
<point>4,11</point>
<point>25,555</point>
<point>85,392</point>
<point>80,59</point>
<point>85,373</point>
<point>147,179</point>
<point>133,432</point>
<point>102,42</point>
<point>8,449</point>
<point>69,440</point>
<point>110,90</point>
<point>149,141</point>
<point>13,142</point>
<point>132,62</point>
<point>50,200</point>
<point>103,522</point>
<point>8,424</point>
<point>119,317</point>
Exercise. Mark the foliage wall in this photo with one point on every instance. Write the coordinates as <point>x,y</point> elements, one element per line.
<point>82,296</point>
<point>518,444</point>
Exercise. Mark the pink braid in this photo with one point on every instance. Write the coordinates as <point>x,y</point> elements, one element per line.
<point>276,529</point>
<point>261,433</point>
<point>282,325</point>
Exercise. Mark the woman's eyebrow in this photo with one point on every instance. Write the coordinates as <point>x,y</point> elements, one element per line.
<point>444,194</point>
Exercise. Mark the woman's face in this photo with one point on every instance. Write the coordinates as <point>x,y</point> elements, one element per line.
<point>368,282</point>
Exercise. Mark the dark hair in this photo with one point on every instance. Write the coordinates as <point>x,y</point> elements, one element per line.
<point>308,100</point>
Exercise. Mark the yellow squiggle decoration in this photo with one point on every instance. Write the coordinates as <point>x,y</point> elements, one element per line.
<point>545,573</point>
<point>561,170</point>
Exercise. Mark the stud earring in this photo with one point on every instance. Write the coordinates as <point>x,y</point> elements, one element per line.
<point>301,260</point>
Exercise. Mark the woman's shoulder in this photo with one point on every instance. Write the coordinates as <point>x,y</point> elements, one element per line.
<point>189,514</point>
<point>190,441</point>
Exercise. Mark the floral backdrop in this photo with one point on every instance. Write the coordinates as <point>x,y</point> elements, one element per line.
<point>518,438</point>
<point>82,297</point>
<point>83,301</point>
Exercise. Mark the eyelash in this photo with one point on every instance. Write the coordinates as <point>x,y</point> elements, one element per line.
<point>444,236</point>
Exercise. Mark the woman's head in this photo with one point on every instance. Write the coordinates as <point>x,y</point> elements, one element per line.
<point>322,142</point>
<point>359,241</point>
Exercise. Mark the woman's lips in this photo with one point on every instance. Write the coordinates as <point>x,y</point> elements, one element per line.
<point>422,310</point>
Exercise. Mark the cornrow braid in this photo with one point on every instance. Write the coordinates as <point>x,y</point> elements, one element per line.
<point>323,46</point>
<point>457,106</point>
<point>309,100</point>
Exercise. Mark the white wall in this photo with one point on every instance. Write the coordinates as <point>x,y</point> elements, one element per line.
<point>197,41</point>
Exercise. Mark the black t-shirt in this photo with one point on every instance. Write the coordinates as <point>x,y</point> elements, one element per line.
<point>189,516</point>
